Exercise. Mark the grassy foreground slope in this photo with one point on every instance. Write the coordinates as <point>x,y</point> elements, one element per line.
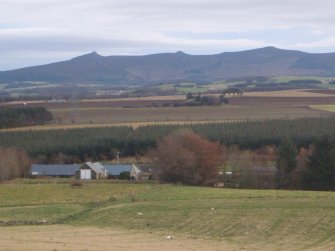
<point>300,219</point>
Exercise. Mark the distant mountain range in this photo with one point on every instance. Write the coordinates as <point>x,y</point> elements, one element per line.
<point>177,67</point>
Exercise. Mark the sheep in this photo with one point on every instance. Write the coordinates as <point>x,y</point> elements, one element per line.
<point>169,237</point>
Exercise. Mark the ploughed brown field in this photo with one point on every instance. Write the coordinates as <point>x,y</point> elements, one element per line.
<point>96,103</point>
<point>325,91</point>
<point>181,114</point>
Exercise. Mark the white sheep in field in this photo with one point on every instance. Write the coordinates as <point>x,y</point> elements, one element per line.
<point>139,213</point>
<point>169,237</point>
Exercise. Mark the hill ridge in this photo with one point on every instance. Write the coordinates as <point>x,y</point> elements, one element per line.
<point>176,67</point>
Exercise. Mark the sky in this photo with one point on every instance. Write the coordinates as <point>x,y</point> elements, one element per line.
<point>34,32</point>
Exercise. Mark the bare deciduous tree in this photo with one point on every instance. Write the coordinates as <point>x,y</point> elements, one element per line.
<point>187,158</point>
<point>14,163</point>
<point>251,169</point>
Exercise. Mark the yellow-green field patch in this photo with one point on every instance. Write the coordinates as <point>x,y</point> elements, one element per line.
<point>328,108</point>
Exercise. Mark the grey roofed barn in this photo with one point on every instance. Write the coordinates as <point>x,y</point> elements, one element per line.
<point>53,170</point>
<point>115,170</point>
<point>96,167</point>
<point>135,171</point>
<point>98,170</point>
<point>91,170</point>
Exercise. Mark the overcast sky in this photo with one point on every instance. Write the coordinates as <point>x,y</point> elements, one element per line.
<point>42,31</point>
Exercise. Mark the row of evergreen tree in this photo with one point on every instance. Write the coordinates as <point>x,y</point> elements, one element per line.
<point>97,143</point>
<point>23,116</point>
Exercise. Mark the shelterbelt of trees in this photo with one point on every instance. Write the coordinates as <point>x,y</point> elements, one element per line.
<point>24,116</point>
<point>286,154</point>
<point>81,144</point>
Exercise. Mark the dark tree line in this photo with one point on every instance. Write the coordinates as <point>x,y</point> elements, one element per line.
<point>24,116</point>
<point>316,171</point>
<point>320,166</point>
<point>201,100</point>
<point>233,91</point>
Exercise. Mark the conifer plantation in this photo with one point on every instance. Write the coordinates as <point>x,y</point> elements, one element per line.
<point>82,143</point>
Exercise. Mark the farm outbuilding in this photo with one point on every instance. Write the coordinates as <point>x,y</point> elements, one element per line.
<point>92,171</point>
<point>114,171</point>
<point>44,170</point>
<point>145,172</point>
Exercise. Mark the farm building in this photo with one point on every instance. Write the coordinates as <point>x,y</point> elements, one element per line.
<point>146,172</point>
<point>89,171</point>
<point>42,170</point>
<point>114,171</point>
<point>84,171</point>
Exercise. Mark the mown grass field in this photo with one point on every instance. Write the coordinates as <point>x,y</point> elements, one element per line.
<point>290,220</point>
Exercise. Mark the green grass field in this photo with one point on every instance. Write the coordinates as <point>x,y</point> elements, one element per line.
<point>184,88</point>
<point>324,80</point>
<point>328,108</point>
<point>289,78</point>
<point>299,218</point>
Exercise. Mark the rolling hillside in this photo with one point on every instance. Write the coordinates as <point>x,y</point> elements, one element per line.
<point>177,67</point>
<point>238,219</point>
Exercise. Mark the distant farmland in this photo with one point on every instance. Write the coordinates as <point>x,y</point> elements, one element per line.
<point>250,106</point>
<point>204,113</point>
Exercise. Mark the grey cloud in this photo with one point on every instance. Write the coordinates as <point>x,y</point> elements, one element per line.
<point>86,43</point>
<point>58,43</point>
<point>137,26</point>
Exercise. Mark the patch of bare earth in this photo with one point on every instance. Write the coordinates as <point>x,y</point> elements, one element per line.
<point>89,238</point>
<point>61,237</point>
